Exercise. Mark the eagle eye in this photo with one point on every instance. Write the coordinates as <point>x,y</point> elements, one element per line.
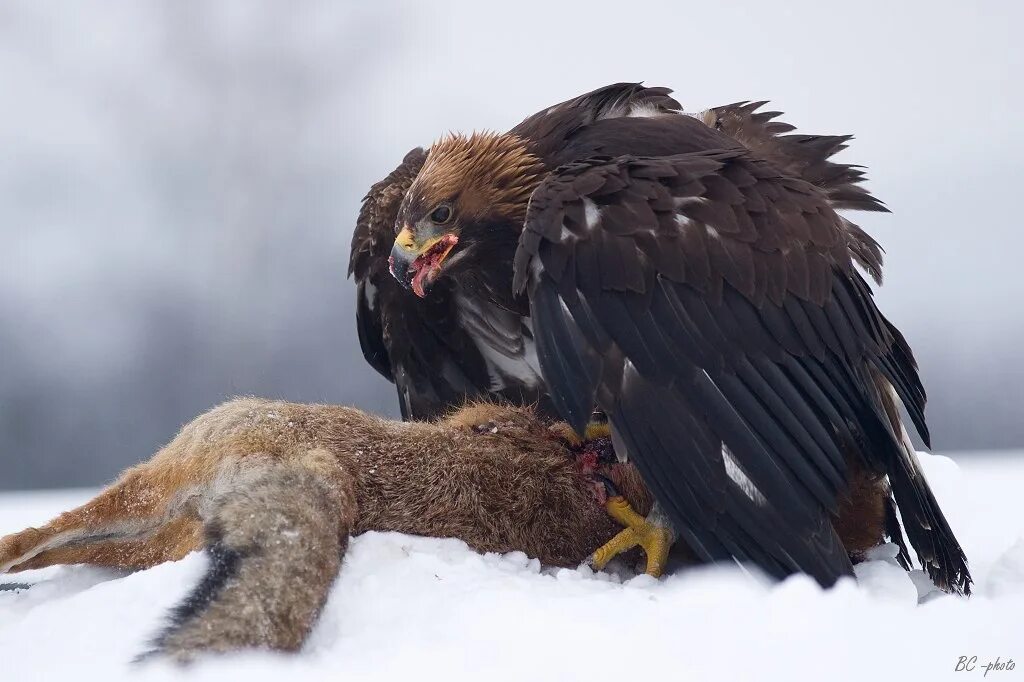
<point>441,215</point>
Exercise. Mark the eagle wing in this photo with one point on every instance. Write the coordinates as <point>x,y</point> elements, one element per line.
<point>371,242</point>
<point>415,343</point>
<point>808,157</point>
<point>708,303</point>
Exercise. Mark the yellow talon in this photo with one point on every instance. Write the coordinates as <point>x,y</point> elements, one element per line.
<point>597,430</point>
<point>655,540</point>
<point>620,510</point>
<point>593,431</point>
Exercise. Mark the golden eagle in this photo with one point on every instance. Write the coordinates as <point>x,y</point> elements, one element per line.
<point>690,276</point>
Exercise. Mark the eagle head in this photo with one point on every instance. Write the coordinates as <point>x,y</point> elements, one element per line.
<point>464,210</point>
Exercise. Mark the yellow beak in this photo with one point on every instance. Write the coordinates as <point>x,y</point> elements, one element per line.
<point>417,265</point>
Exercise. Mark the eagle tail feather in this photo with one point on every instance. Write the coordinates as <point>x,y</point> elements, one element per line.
<point>937,548</point>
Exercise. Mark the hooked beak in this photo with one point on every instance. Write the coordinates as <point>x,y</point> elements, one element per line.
<point>417,265</point>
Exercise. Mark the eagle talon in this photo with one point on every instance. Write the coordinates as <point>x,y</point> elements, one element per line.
<point>655,540</point>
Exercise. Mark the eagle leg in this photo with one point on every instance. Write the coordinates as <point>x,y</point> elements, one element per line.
<point>654,538</point>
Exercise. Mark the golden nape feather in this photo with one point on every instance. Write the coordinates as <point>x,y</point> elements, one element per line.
<point>483,174</point>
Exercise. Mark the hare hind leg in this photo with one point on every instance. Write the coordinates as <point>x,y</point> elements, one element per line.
<point>275,538</point>
<point>169,542</point>
<point>142,519</point>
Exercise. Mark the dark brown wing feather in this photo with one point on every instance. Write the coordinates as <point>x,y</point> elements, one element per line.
<point>707,302</point>
<point>375,227</point>
<point>602,122</point>
<point>368,258</point>
<point>550,129</point>
<point>807,157</point>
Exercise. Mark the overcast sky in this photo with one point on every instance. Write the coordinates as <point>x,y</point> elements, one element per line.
<point>180,179</point>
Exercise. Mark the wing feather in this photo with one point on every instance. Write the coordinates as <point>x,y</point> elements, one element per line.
<point>708,303</point>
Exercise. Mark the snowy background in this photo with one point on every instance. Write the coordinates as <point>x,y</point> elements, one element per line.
<point>178,184</point>
<point>426,609</point>
<point>179,180</point>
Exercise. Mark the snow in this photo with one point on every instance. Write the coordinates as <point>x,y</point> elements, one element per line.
<point>423,608</point>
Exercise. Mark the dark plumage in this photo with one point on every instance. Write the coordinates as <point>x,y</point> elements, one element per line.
<point>688,275</point>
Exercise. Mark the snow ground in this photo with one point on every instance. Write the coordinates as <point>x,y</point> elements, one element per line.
<point>421,608</point>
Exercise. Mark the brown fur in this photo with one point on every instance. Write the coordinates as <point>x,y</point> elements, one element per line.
<point>275,489</point>
<point>488,174</point>
<point>860,522</point>
<point>275,549</point>
<point>278,487</point>
<point>515,489</point>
